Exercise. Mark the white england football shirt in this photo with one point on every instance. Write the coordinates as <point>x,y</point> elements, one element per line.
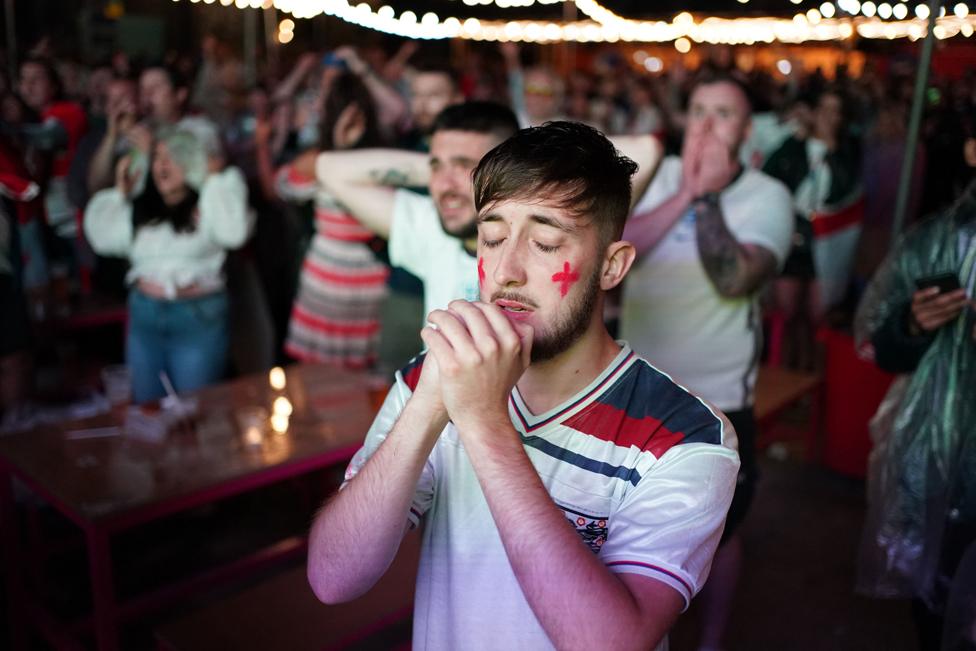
<point>673,315</point>
<point>643,470</point>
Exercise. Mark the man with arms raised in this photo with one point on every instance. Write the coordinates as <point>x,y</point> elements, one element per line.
<point>524,417</point>
<point>709,233</point>
<point>433,237</point>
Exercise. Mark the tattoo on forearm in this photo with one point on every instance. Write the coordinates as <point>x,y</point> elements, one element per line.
<point>388,176</point>
<point>726,262</point>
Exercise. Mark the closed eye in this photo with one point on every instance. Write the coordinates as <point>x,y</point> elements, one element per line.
<point>490,244</point>
<point>546,248</point>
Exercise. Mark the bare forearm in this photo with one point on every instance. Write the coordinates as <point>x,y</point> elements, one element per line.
<point>572,607</point>
<point>286,89</point>
<point>733,269</point>
<point>362,181</point>
<point>390,105</point>
<point>262,154</point>
<point>646,230</point>
<point>369,515</point>
<point>101,172</point>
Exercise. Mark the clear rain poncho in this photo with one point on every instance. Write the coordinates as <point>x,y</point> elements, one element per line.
<point>922,470</point>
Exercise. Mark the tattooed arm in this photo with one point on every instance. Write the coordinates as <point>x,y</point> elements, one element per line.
<point>364,181</point>
<point>735,269</point>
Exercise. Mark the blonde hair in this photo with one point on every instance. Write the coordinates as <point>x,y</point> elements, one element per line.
<point>188,153</point>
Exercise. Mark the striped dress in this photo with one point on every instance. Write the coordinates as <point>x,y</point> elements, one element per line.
<point>335,317</point>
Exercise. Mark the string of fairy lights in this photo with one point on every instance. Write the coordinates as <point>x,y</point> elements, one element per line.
<point>830,21</point>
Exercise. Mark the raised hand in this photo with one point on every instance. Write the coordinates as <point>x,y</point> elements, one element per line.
<point>125,180</point>
<point>716,167</point>
<point>140,136</point>
<point>355,63</point>
<point>121,116</point>
<point>349,127</point>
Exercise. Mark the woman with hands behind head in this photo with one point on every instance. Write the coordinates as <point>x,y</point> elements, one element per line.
<point>335,318</point>
<point>175,232</point>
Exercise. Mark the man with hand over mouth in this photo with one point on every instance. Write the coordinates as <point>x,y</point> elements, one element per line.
<point>572,495</point>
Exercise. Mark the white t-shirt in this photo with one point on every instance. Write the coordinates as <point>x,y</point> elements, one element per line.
<point>643,471</point>
<point>673,315</point>
<point>419,244</point>
<point>167,258</point>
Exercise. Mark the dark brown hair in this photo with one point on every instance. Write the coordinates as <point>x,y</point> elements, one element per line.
<point>710,77</point>
<point>348,89</point>
<point>478,117</point>
<point>572,163</point>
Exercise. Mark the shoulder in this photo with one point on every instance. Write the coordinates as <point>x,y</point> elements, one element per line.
<point>413,202</point>
<point>931,233</point>
<point>227,184</point>
<point>792,146</point>
<point>761,187</point>
<point>666,180</point>
<point>68,112</point>
<point>409,375</point>
<point>414,214</point>
<point>646,409</point>
<point>670,169</point>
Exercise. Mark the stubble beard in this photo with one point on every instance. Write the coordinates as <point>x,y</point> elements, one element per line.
<point>556,340</point>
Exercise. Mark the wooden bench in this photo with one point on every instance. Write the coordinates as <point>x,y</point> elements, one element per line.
<point>283,613</point>
<point>779,388</point>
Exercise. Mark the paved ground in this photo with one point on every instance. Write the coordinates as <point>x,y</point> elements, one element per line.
<point>796,591</point>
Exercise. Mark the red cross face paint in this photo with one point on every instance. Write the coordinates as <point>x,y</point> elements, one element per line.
<point>481,272</point>
<point>566,278</point>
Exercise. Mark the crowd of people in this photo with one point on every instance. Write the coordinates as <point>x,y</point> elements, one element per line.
<point>329,211</point>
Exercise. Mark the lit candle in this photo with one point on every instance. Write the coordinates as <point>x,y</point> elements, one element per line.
<point>282,406</point>
<point>279,423</point>
<point>252,435</point>
<point>276,377</point>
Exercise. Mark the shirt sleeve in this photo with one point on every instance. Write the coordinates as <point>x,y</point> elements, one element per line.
<point>415,226</point>
<point>108,223</point>
<point>669,525</point>
<point>224,213</point>
<point>385,419</point>
<point>769,223</point>
<point>662,186</point>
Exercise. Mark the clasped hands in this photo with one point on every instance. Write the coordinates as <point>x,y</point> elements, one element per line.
<point>475,356</point>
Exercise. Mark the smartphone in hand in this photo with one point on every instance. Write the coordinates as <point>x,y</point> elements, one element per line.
<point>946,282</point>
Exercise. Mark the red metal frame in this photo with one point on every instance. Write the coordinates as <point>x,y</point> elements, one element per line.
<point>108,611</point>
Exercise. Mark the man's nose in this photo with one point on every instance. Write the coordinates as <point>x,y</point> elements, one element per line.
<point>509,268</point>
<point>447,179</point>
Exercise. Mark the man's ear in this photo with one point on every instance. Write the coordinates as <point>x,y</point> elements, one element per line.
<point>617,260</point>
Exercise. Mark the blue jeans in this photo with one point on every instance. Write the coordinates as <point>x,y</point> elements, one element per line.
<point>187,338</point>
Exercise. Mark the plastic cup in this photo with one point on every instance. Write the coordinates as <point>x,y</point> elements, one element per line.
<point>118,384</point>
<point>253,424</point>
